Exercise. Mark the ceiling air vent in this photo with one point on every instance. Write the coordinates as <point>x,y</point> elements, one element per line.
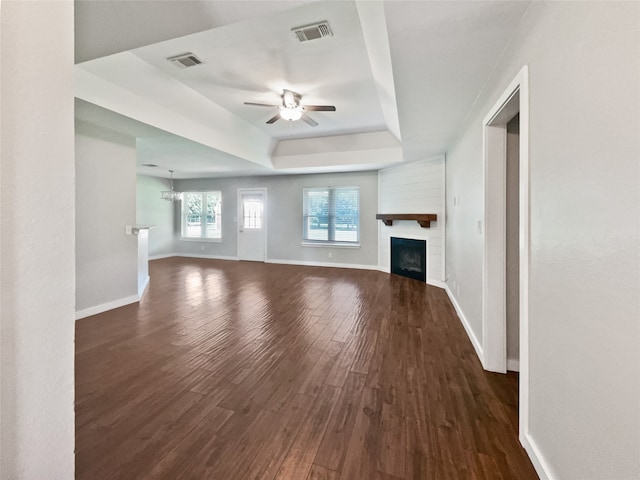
<point>312,32</point>
<point>185,60</point>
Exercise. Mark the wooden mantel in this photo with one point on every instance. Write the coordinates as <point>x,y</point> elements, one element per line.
<point>424,219</point>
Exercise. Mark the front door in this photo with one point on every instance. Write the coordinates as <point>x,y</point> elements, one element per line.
<point>251,224</point>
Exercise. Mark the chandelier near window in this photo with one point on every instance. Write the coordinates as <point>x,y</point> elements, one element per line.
<point>171,195</point>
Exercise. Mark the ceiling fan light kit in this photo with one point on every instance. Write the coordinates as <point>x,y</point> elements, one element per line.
<point>291,108</point>
<point>291,114</point>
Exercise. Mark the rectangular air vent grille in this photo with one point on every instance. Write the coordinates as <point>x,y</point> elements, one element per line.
<point>185,60</point>
<point>312,32</point>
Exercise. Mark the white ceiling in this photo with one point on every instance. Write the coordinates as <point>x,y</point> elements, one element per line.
<point>402,75</point>
<point>254,60</point>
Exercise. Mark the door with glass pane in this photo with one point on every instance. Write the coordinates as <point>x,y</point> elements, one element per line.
<point>251,224</point>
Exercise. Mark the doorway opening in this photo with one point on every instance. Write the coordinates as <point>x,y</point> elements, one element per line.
<point>505,286</point>
<point>512,244</point>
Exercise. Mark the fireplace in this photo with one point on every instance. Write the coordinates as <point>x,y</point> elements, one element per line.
<point>409,258</point>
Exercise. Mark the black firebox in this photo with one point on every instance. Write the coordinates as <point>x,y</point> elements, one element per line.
<point>409,258</point>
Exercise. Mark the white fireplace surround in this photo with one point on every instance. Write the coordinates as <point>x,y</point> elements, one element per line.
<point>405,229</point>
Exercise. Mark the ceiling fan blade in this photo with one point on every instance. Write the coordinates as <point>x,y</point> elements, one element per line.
<point>307,119</point>
<point>274,119</point>
<point>260,104</point>
<point>320,108</point>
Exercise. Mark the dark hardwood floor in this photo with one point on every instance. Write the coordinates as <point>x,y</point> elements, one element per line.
<point>238,370</point>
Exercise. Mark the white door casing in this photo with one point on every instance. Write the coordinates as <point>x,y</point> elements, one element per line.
<point>515,99</point>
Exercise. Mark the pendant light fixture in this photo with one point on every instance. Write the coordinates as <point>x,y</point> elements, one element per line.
<point>171,195</point>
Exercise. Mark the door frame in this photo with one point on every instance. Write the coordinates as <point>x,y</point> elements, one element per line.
<point>263,191</point>
<point>514,99</point>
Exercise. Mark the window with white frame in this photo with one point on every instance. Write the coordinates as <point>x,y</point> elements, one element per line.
<point>331,215</point>
<point>201,215</point>
<point>252,207</point>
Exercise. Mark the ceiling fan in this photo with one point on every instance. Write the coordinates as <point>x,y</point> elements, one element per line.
<point>292,110</point>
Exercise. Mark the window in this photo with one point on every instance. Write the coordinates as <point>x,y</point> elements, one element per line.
<point>252,211</point>
<point>331,215</point>
<point>201,215</point>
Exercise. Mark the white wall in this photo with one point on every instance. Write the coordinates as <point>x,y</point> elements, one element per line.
<point>37,241</point>
<point>151,210</point>
<point>284,218</point>
<point>584,332</point>
<point>416,187</point>
<point>106,258</point>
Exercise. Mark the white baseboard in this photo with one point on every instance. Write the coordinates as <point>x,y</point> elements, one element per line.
<point>210,257</point>
<point>465,323</point>
<point>143,287</point>
<point>322,264</point>
<point>436,283</point>
<point>121,302</point>
<point>193,255</point>
<point>537,459</point>
<point>513,365</point>
<point>164,255</point>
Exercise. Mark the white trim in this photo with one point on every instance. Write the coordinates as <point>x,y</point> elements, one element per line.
<point>525,249</point>
<point>537,459</point>
<point>142,288</point>
<point>209,257</point>
<point>443,275</point>
<point>513,365</point>
<point>121,302</point>
<point>497,117</point>
<point>200,239</point>
<point>465,324</point>
<point>381,261</point>
<point>494,330</point>
<point>322,264</point>
<point>163,255</point>
<point>329,245</point>
<point>494,341</point>
<point>436,283</point>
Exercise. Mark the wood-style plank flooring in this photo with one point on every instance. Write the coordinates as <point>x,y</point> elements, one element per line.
<point>239,370</point>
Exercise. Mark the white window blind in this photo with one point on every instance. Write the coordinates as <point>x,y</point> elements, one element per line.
<point>331,215</point>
